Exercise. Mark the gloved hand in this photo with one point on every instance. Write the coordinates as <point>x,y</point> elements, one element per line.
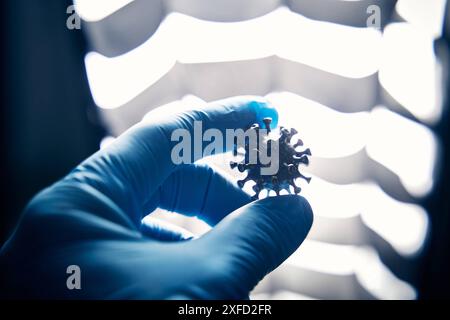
<point>92,218</point>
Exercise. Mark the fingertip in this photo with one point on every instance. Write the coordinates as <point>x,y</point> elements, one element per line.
<point>261,235</point>
<point>306,210</point>
<point>264,109</point>
<point>294,207</point>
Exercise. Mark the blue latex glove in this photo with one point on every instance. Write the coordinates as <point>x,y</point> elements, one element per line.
<point>92,218</point>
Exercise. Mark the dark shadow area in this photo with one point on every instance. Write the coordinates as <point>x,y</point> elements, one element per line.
<point>436,275</point>
<point>49,121</point>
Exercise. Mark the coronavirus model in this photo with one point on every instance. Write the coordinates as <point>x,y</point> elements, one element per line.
<point>289,158</point>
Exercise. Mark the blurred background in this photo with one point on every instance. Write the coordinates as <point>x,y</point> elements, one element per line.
<point>364,82</point>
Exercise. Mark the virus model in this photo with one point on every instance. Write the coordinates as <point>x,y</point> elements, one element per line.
<point>289,161</point>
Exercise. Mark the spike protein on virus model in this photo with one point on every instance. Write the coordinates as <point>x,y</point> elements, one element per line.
<point>289,160</point>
